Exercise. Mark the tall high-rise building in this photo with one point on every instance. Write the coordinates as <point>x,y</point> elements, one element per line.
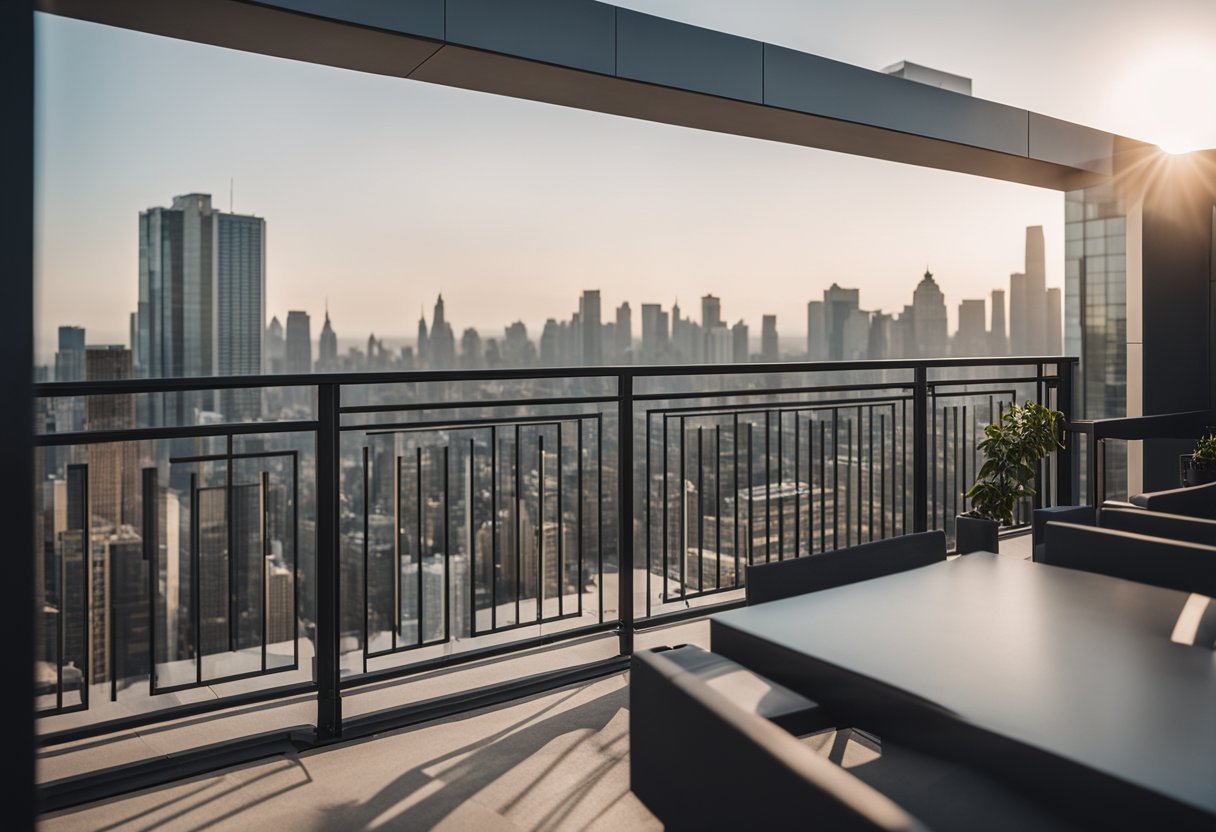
<point>327,349</point>
<point>838,304</point>
<point>69,360</point>
<point>719,346</point>
<point>1095,311</point>
<point>470,349</point>
<point>929,318</point>
<point>424,352</point>
<point>550,343</point>
<point>441,346</point>
<point>816,331</point>
<point>711,312</point>
<point>1028,299</point>
<point>201,307</point>
<point>769,350</point>
<point>882,332</point>
<point>298,343</point>
<point>740,347</point>
<point>1055,324</point>
<point>855,336</point>
<point>623,334</point>
<point>517,349</point>
<point>998,338</point>
<point>69,366</point>
<point>591,321</point>
<point>971,339</point>
<point>275,350</point>
<point>113,468</point>
<point>654,332</point>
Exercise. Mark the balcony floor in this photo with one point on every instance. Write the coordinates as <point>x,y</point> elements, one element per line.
<point>558,760</point>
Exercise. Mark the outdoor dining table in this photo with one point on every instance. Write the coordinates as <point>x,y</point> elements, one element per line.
<point>1066,684</point>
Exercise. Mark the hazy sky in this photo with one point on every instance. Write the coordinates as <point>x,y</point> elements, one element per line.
<point>379,192</point>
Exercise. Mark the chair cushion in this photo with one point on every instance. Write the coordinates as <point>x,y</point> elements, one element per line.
<point>776,703</point>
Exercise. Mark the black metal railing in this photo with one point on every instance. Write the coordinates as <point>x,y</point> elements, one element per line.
<point>419,520</point>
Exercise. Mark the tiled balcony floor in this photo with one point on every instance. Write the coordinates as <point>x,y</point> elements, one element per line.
<point>553,761</point>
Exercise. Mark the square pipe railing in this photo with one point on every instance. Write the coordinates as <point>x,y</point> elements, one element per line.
<point>450,526</point>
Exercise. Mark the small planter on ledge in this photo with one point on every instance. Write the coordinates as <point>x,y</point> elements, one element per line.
<point>1013,449</point>
<point>1200,467</point>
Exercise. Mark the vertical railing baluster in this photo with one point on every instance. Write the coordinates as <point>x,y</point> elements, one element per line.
<point>920,455</point>
<point>624,482</point>
<point>329,573</point>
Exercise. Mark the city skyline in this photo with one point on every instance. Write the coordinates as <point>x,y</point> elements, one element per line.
<point>201,310</point>
<point>191,264</point>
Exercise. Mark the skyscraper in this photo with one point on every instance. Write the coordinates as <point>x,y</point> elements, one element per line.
<point>1055,325</point>
<point>929,318</point>
<point>740,348</point>
<point>275,355</point>
<point>69,360</point>
<point>838,304</point>
<point>855,336</point>
<point>201,307</point>
<point>1096,315</point>
<point>654,332</point>
<point>69,366</point>
<point>441,345</point>
<point>470,349</point>
<point>998,338</point>
<point>816,331</point>
<point>1028,300</point>
<point>624,333</point>
<point>589,317</point>
<point>769,351</point>
<point>550,343</point>
<point>971,339</point>
<point>113,472</point>
<point>298,343</point>
<point>719,346</point>
<point>327,352</point>
<point>711,312</point>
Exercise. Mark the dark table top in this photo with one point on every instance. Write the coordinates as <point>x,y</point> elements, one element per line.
<point>1070,665</point>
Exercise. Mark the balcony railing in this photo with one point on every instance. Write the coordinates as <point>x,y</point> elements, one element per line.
<point>383,525</point>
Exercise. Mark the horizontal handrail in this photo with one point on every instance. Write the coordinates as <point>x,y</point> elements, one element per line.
<point>56,389</point>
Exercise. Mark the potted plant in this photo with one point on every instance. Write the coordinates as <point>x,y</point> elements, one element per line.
<point>1200,467</point>
<point>1013,447</point>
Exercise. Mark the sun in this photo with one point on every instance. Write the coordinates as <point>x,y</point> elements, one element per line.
<point>1168,97</point>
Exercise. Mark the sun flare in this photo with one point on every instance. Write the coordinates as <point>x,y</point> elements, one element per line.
<point>1166,97</point>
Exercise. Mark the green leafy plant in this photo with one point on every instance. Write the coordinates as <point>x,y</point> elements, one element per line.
<point>1205,448</point>
<point>1013,448</point>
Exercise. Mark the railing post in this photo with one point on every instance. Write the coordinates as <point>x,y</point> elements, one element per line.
<point>920,450</point>
<point>328,667</point>
<point>624,492</point>
<point>1066,459</point>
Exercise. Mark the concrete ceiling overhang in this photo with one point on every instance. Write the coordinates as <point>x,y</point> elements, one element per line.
<point>593,56</point>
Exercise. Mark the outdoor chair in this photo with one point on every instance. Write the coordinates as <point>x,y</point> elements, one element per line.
<point>797,576</point>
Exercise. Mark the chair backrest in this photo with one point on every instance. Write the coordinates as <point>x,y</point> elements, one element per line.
<point>700,762</point>
<point>1196,501</point>
<point>784,579</point>
<point>1159,524</point>
<point>1189,567</point>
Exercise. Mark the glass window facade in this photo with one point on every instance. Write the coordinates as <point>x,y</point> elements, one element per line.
<point>1095,311</point>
